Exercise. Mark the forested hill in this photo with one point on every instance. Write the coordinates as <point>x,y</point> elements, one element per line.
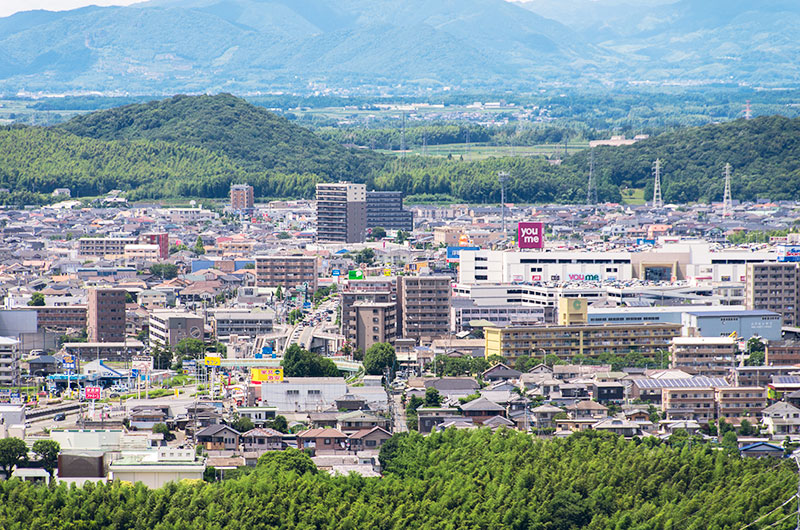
<point>458,480</point>
<point>764,154</point>
<point>251,136</point>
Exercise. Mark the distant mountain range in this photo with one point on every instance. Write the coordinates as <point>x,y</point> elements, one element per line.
<point>260,45</point>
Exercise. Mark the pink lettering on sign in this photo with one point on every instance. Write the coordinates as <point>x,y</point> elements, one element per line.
<point>530,235</point>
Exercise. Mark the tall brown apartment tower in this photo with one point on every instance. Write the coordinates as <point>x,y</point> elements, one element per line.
<point>341,212</point>
<point>423,304</point>
<point>241,197</point>
<point>774,287</point>
<point>106,315</point>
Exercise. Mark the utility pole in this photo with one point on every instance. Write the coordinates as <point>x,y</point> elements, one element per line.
<point>502,177</point>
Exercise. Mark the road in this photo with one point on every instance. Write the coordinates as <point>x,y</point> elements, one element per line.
<point>398,414</point>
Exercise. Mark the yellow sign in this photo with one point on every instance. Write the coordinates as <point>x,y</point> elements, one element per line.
<point>177,392</point>
<point>387,272</point>
<point>213,361</point>
<point>266,375</point>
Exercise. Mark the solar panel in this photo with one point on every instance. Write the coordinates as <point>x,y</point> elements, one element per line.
<point>686,382</point>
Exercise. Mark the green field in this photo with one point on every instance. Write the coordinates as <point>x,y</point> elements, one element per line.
<point>479,151</point>
<point>633,196</point>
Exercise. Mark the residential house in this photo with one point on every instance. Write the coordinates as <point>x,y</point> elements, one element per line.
<point>620,426</point>
<point>762,449</point>
<point>428,418</point>
<point>350,422</point>
<point>219,438</point>
<point>586,410</point>
<point>501,372</point>
<point>481,409</point>
<point>323,441</point>
<point>781,419</point>
<point>262,439</point>
<point>368,439</point>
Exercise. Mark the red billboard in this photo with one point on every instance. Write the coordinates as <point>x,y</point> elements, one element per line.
<point>530,235</point>
<point>93,392</point>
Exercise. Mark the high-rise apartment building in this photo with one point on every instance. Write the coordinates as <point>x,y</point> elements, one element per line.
<point>105,321</point>
<point>241,197</point>
<point>374,322</point>
<point>385,209</point>
<point>774,287</point>
<point>286,271</point>
<point>424,306</point>
<point>341,212</point>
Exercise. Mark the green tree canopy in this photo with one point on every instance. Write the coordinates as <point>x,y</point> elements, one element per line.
<point>13,452</point>
<point>47,452</point>
<point>37,299</point>
<point>298,362</point>
<point>378,357</point>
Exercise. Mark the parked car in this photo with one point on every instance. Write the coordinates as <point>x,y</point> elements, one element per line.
<point>60,417</point>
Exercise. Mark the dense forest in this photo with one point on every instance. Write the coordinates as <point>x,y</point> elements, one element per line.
<point>454,480</point>
<point>197,146</point>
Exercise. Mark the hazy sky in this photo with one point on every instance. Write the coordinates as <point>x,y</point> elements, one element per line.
<point>9,7</point>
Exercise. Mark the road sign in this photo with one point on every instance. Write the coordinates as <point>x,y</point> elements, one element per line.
<point>143,363</point>
<point>266,375</point>
<point>213,361</point>
<point>69,366</point>
<point>135,372</point>
<point>336,272</point>
<point>266,350</point>
<point>93,392</point>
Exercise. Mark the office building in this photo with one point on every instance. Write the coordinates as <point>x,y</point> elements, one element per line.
<point>773,287</point>
<point>105,319</point>
<point>341,212</point>
<point>423,306</point>
<point>286,271</point>
<point>241,197</point>
<point>589,340</point>
<point>168,328</point>
<point>704,356</point>
<point>9,361</point>
<point>385,209</point>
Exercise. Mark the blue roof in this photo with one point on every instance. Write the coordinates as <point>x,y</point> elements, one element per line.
<point>762,445</point>
<point>340,252</point>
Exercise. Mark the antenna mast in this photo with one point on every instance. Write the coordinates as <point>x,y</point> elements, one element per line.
<point>591,188</point>
<point>727,201</point>
<point>658,203</point>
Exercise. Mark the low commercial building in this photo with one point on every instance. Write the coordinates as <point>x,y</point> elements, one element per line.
<point>745,324</point>
<point>168,328</point>
<point>156,469</point>
<point>241,322</point>
<point>589,340</point>
<point>300,394</point>
<point>462,312</point>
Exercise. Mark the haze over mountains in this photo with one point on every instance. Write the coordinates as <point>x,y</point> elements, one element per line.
<point>251,45</point>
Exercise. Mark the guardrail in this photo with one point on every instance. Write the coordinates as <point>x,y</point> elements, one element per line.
<point>51,411</point>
